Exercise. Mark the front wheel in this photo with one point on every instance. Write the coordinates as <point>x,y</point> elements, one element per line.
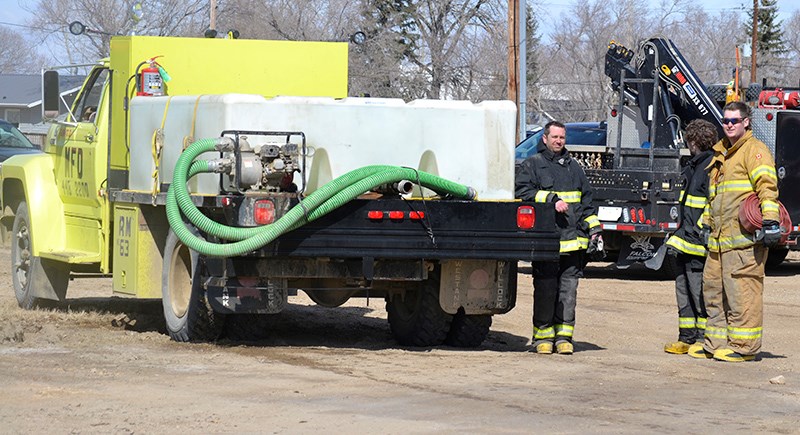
<point>416,318</point>
<point>37,281</point>
<point>188,315</point>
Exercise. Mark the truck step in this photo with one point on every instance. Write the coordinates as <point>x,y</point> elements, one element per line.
<point>72,257</point>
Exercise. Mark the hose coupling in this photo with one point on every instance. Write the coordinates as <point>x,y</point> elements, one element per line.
<point>224,144</point>
<point>220,166</point>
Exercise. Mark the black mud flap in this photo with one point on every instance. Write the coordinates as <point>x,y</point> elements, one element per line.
<point>649,250</point>
<point>246,295</point>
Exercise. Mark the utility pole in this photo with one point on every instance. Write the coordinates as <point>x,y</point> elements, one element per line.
<point>754,43</point>
<point>513,57</point>
<point>213,15</point>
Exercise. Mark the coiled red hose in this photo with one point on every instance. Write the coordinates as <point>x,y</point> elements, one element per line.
<point>750,217</point>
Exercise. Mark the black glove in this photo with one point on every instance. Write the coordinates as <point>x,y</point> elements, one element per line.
<point>772,233</point>
<point>705,232</point>
<point>596,250</point>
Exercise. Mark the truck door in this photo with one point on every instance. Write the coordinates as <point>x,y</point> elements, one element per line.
<point>81,164</point>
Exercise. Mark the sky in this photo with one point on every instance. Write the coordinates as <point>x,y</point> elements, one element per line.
<point>13,15</point>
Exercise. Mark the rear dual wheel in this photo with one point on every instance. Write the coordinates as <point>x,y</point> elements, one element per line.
<point>188,315</point>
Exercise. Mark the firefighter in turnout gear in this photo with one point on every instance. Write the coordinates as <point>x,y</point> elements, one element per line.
<point>551,175</point>
<point>734,272</point>
<point>687,245</point>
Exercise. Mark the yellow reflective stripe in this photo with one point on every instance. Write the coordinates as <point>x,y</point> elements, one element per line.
<point>564,330</point>
<point>741,241</point>
<point>571,196</point>
<point>712,190</point>
<point>684,246</point>
<point>539,334</point>
<point>686,322</point>
<point>695,201</point>
<point>714,332</point>
<point>680,197</point>
<point>541,196</point>
<point>573,245</point>
<point>733,186</point>
<point>744,333</point>
<point>592,220</point>
<point>763,170</point>
<point>770,206</point>
<point>701,322</point>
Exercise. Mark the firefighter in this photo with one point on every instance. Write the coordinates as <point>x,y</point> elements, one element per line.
<point>734,272</point>
<point>553,176</point>
<point>687,245</point>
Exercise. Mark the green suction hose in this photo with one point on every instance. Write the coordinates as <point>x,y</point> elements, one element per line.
<point>329,197</point>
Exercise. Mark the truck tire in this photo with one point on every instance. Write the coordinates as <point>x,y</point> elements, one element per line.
<point>417,319</point>
<point>775,257</point>
<point>468,330</point>
<point>188,315</point>
<point>34,276</point>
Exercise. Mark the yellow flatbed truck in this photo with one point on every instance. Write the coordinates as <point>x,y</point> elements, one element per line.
<point>245,173</point>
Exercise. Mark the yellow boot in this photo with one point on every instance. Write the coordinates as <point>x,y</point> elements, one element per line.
<point>697,351</point>
<point>545,348</point>
<point>677,347</point>
<point>564,348</point>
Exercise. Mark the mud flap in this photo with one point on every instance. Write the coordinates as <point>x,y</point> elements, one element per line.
<point>649,250</point>
<point>247,295</point>
<point>477,286</point>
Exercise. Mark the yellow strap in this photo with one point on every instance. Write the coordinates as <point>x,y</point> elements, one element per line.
<point>190,139</point>
<point>156,148</point>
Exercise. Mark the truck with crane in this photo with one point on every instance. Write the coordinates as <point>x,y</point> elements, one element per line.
<point>246,174</point>
<point>636,175</point>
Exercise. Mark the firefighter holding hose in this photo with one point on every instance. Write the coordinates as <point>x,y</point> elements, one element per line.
<point>734,272</point>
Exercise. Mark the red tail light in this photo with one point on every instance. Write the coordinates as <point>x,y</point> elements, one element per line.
<point>396,215</point>
<point>526,217</point>
<point>641,215</point>
<point>633,215</point>
<point>264,212</point>
<point>416,215</point>
<point>375,215</point>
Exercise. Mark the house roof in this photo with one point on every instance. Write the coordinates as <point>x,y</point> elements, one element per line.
<point>25,90</point>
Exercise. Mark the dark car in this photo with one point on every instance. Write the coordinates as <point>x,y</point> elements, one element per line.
<point>13,142</point>
<point>578,133</point>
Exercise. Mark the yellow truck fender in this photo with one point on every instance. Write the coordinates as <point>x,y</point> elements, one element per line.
<point>31,178</point>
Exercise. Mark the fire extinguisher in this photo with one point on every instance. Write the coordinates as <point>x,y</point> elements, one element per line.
<point>151,79</point>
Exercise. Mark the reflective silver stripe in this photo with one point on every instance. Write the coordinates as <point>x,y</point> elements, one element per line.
<point>695,201</point>
<point>592,220</point>
<point>541,196</point>
<point>770,206</point>
<point>564,330</point>
<point>571,196</point>
<point>763,170</point>
<point>701,322</point>
<point>684,246</point>
<point>574,244</point>
<point>686,322</point>
<point>741,241</point>
<point>744,333</point>
<point>732,186</point>
<point>714,332</point>
<point>539,334</point>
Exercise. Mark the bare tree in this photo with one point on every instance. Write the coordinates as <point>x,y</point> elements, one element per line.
<point>17,54</point>
<point>112,17</point>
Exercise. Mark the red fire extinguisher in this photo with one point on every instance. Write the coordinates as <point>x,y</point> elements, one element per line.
<point>151,79</point>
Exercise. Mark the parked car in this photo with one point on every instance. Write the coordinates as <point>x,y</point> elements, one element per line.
<point>13,142</point>
<point>578,133</point>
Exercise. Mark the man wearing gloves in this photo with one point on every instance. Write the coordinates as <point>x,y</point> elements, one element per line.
<point>734,272</point>
<point>687,245</point>
<point>551,175</point>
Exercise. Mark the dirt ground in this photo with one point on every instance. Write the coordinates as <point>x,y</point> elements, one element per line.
<point>104,365</point>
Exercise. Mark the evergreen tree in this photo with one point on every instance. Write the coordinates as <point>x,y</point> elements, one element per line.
<point>770,36</point>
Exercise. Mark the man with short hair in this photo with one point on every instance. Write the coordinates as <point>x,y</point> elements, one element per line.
<point>552,176</point>
<point>733,278</point>
<point>687,244</point>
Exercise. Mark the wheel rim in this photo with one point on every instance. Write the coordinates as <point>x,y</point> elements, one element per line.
<point>22,255</point>
<point>180,281</point>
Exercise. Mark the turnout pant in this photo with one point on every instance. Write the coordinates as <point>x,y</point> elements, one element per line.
<point>733,289</point>
<point>689,293</point>
<point>555,290</point>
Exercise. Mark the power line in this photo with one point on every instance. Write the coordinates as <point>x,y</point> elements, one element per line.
<point>31,27</point>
